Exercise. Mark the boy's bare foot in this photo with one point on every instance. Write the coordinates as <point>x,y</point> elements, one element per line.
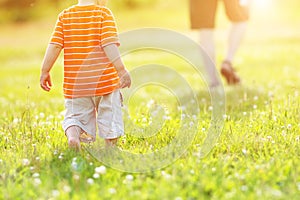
<point>111,142</point>
<point>73,138</point>
<point>229,73</point>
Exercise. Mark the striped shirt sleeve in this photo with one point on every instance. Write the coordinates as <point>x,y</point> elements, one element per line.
<point>109,32</point>
<point>58,35</point>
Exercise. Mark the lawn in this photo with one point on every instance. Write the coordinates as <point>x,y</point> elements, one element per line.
<point>255,157</point>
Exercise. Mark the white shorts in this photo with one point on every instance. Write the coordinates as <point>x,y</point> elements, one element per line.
<point>105,111</point>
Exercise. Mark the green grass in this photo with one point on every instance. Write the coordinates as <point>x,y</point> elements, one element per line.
<point>256,157</point>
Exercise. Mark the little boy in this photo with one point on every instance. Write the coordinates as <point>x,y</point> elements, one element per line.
<point>93,72</point>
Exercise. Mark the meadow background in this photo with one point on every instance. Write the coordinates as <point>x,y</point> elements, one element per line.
<point>256,157</point>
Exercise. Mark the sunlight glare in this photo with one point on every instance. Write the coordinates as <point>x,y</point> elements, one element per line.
<point>262,4</point>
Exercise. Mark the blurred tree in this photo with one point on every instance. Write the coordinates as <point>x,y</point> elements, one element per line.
<point>133,3</point>
<point>19,8</point>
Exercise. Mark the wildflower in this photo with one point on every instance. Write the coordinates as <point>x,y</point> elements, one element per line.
<point>100,170</point>
<point>166,175</point>
<point>96,176</point>
<point>254,107</point>
<point>90,181</point>
<point>244,188</point>
<point>16,121</point>
<point>289,126</point>
<point>191,124</point>
<point>67,189</point>
<point>74,165</point>
<point>129,177</point>
<point>35,175</point>
<point>269,137</point>
<point>112,190</point>
<point>42,115</point>
<point>37,181</point>
<point>76,177</point>
<point>298,186</point>
<point>25,162</point>
<point>55,193</point>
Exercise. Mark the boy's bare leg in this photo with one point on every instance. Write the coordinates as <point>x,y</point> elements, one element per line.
<point>111,142</point>
<point>236,35</point>
<point>73,134</point>
<point>207,42</point>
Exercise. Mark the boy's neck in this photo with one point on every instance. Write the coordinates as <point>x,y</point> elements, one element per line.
<point>86,2</point>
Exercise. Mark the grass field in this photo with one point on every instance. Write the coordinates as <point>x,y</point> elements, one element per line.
<point>256,156</point>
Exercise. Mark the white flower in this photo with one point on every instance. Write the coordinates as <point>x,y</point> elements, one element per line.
<point>74,165</point>
<point>269,137</point>
<point>90,181</point>
<point>35,175</point>
<point>37,181</point>
<point>112,190</point>
<point>129,177</point>
<point>289,126</point>
<point>25,162</point>
<point>55,193</point>
<point>16,121</point>
<point>76,177</point>
<point>254,106</point>
<point>67,189</point>
<point>42,115</point>
<point>166,175</point>
<point>244,188</point>
<point>191,124</point>
<point>100,170</point>
<point>96,176</point>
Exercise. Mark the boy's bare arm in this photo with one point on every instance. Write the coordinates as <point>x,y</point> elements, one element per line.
<point>51,55</point>
<point>112,52</point>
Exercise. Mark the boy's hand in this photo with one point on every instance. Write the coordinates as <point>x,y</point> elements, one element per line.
<point>125,79</point>
<point>45,81</point>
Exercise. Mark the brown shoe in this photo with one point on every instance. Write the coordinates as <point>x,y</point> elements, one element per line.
<point>229,73</point>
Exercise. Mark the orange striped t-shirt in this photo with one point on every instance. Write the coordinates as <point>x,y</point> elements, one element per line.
<point>83,31</point>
